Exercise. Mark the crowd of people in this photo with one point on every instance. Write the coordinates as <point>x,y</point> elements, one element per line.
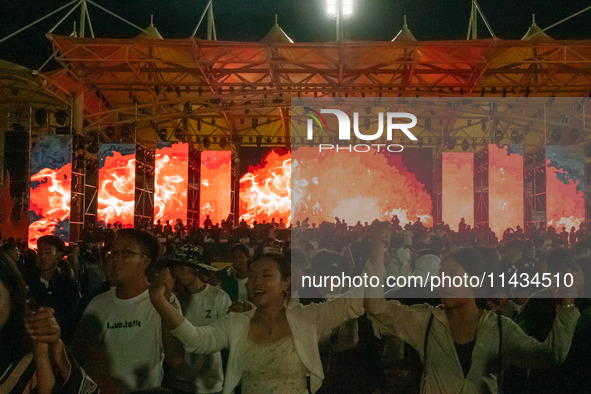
<point>222,309</point>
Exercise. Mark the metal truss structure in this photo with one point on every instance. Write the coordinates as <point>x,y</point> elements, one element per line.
<point>20,89</point>
<point>228,95</point>
<point>212,92</point>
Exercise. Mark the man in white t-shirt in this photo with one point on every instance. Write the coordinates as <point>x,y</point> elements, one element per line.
<point>202,305</point>
<point>120,341</point>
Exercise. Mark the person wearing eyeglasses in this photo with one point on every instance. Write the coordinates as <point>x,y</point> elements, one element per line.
<point>119,339</point>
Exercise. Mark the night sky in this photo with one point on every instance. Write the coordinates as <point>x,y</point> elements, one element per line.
<point>302,20</point>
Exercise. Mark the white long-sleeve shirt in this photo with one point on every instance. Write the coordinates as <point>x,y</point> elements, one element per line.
<point>307,323</point>
<point>443,370</point>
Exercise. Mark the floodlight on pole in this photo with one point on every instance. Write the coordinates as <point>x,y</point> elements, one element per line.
<point>340,10</point>
<point>332,8</point>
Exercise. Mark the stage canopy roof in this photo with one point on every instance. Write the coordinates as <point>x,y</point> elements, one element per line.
<point>20,89</point>
<point>219,94</point>
<point>234,91</point>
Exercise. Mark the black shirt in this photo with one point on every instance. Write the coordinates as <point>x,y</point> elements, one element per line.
<point>465,355</point>
<point>62,295</point>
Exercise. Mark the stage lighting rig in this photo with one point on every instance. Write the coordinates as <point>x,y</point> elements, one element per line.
<point>223,142</point>
<point>178,134</point>
<point>556,135</point>
<point>40,116</point>
<point>163,135</point>
<point>515,137</point>
<point>60,117</point>
<point>465,145</point>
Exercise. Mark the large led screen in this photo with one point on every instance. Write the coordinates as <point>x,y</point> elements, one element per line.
<point>265,188</point>
<point>216,185</point>
<point>171,182</point>
<point>565,185</point>
<point>505,188</point>
<point>360,188</point>
<point>457,200</point>
<point>50,189</point>
<point>116,189</point>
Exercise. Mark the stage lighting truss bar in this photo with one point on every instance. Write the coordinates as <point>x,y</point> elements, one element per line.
<point>256,73</point>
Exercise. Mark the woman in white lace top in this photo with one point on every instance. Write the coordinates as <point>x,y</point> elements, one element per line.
<point>273,347</point>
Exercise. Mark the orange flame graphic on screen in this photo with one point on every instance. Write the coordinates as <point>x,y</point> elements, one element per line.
<point>458,188</point>
<point>50,200</point>
<point>216,185</point>
<point>505,189</point>
<point>171,183</point>
<point>265,191</point>
<point>565,205</point>
<point>116,193</point>
<point>355,187</point>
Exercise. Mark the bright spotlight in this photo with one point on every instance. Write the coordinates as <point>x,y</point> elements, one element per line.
<point>332,8</point>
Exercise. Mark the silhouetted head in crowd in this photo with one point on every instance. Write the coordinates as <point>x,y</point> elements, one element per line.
<point>557,260</point>
<point>328,263</point>
<point>12,251</point>
<point>514,251</point>
<point>529,250</point>
<point>240,255</point>
<point>583,249</point>
<point>491,258</point>
<point>299,263</point>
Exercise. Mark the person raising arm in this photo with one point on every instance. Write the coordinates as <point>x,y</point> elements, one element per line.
<point>279,342</point>
<point>462,346</point>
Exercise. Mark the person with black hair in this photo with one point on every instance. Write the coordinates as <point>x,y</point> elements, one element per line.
<point>15,343</point>
<point>52,288</point>
<point>202,305</point>
<point>535,318</point>
<point>575,376</point>
<point>33,357</point>
<point>273,347</point>
<point>235,284</point>
<point>513,252</point>
<point>12,251</point>
<point>120,336</point>
<point>168,230</point>
<point>299,264</point>
<point>463,347</point>
<point>207,223</point>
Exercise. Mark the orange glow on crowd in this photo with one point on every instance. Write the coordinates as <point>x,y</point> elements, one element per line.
<point>171,183</point>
